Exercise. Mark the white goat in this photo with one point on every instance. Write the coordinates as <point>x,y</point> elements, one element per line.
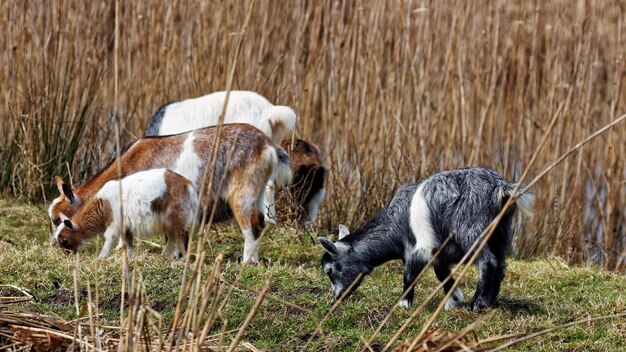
<point>276,121</point>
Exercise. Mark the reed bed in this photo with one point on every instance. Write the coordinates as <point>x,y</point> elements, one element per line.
<point>391,92</point>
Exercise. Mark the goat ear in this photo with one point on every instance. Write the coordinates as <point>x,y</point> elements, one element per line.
<point>68,224</point>
<point>65,189</point>
<point>60,183</point>
<point>275,125</point>
<point>328,245</point>
<point>343,231</point>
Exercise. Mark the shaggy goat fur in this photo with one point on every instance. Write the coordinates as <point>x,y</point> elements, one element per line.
<point>307,190</point>
<point>417,220</point>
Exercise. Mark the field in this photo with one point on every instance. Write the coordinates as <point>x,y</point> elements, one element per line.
<point>536,294</point>
<point>390,92</point>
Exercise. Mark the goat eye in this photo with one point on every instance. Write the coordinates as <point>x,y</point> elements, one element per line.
<point>65,242</point>
<point>57,221</point>
<point>329,271</point>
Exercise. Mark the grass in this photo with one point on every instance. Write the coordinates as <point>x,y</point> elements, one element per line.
<point>535,294</point>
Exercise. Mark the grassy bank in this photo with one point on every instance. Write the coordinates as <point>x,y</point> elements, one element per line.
<point>535,295</point>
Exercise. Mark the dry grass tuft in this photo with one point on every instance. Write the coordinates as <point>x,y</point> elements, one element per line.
<point>142,329</point>
<point>442,341</point>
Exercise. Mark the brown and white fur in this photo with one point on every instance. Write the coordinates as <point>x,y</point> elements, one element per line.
<point>156,201</point>
<point>307,189</point>
<point>246,160</point>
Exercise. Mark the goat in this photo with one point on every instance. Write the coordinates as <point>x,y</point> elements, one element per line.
<point>277,122</point>
<point>246,160</point>
<point>155,201</point>
<point>307,189</point>
<point>419,217</point>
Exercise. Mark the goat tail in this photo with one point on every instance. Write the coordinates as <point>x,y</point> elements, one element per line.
<point>282,174</point>
<point>282,120</point>
<point>524,199</point>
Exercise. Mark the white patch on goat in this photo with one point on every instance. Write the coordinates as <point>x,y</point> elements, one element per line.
<point>342,247</point>
<point>327,267</point>
<point>250,248</point>
<point>337,290</point>
<point>189,164</point>
<point>281,121</point>
<point>269,204</point>
<point>281,175</point>
<point>421,226</point>
<point>313,206</point>
<point>110,235</point>
<point>456,300</point>
<point>191,202</point>
<point>138,191</point>
<point>56,201</point>
<point>404,303</point>
<point>57,231</point>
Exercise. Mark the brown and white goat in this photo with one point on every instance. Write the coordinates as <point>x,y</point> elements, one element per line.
<point>307,189</point>
<point>246,160</point>
<point>156,201</point>
<point>276,121</point>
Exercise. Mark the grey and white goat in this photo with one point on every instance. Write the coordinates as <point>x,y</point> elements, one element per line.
<point>416,221</point>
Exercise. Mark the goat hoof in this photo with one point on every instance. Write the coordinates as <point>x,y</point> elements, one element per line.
<point>405,304</point>
<point>478,305</point>
<point>455,301</point>
<point>249,261</point>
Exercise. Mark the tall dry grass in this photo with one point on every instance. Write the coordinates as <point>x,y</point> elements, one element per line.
<point>390,91</point>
